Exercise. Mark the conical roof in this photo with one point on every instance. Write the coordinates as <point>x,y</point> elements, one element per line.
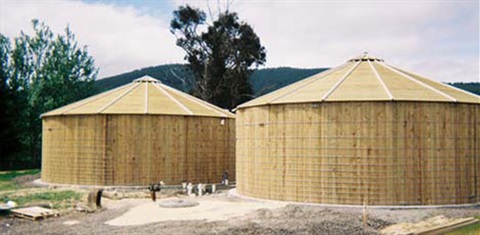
<point>145,95</point>
<point>365,78</point>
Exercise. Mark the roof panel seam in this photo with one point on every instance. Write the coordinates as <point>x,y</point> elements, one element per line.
<point>320,76</point>
<point>380,79</point>
<point>198,102</point>
<point>146,98</point>
<point>340,81</point>
<point>173,99</point>
<point>419,82</point>
<point>118,98</point>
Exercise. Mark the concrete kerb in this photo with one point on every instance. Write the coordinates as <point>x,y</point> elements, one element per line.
<point>40,183</point>
<point>233,193</point>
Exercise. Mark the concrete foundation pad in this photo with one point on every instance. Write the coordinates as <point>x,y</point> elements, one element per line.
<point>233,192</point>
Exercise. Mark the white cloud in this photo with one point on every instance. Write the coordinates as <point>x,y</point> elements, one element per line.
<point>120,39</point>
<point>421,36</point>
<point>438,39</point>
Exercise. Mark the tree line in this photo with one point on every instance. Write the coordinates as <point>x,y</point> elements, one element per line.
<point>38,73</point>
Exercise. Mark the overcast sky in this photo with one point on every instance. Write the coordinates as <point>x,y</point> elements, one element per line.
<point>437,39</point>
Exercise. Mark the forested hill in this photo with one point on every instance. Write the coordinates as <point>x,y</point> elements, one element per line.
<point>266,80</point>
<point>174,75</point>
<point>473,87</point>
<point>262,80</point>
<point>177,76</point>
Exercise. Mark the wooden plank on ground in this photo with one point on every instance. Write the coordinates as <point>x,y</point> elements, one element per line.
<point>34,213</point>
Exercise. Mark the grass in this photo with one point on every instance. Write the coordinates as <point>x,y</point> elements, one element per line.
<point>57,199</point>
<point>11,191</point>
<point>6,178</point>
<point>470,229</point>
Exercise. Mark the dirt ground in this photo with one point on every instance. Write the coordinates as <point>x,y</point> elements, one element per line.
<point>222,213</point>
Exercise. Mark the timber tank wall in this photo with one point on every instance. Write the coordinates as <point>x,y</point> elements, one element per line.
<point>135,150</point>
<point>378,153</point>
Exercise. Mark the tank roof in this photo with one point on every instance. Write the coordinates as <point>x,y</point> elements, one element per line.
<point>145,95</point>
<point>365,78</point>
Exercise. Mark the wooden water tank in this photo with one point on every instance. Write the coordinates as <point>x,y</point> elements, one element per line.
<point>138,134</point>
<point>363,132</point>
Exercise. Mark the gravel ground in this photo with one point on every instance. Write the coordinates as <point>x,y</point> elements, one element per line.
<point>290,219</point>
